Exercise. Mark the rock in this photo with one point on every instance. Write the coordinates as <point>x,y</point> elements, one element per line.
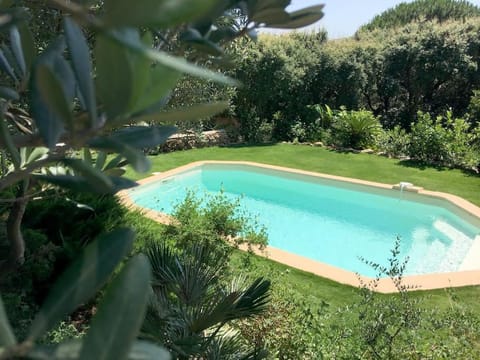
<point>367,151</point>
<point>191,139</point>
<point>318,143</point>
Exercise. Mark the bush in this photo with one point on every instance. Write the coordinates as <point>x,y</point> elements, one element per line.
<point>53,239</point>
<point>394,142</point>
<point>462,144</point>
<point>473,110</point>
<point>428,140</point>
<point>264,133</point>
<point>213,220</point>
<point>278,76</point>
<point>392,72</point>
<point>290,328</point>
<point>355,129</point>
<point>299,132</point>
<point>444,141</point>
<point>323,116</point>
<point>63,332</point>
<point>386,324</point>
<point>190,259</point>
<point>313,127</point>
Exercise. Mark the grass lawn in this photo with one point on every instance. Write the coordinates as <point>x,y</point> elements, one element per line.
<point>362,166</point>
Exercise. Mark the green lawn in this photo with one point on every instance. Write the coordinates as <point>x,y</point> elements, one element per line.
<point>362,166</point>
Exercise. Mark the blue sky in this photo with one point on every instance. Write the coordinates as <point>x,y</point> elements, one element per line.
<point>343,17</point>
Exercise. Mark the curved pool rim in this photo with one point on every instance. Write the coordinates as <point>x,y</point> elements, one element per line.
<point>385,285</point>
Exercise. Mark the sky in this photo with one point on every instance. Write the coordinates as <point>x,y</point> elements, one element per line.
<point>343,17</point>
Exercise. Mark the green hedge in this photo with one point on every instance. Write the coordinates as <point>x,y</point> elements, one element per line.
<point>393,73</point>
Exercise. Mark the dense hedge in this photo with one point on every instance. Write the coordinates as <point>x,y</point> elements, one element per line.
<point>278,82</point>
<point>393,73</point>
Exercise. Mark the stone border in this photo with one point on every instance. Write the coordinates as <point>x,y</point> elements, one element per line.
<point>469,277</point>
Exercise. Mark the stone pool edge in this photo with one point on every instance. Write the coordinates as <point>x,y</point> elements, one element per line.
<point>385,285</point>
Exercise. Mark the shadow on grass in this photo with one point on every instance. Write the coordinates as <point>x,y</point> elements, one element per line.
<point>248,145</point>
<point>423,166</point>
<point>343,150</point>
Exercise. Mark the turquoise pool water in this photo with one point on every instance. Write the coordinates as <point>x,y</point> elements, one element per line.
<point>330,221</point>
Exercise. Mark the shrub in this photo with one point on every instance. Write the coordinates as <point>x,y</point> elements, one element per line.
<point>385,323</point>
<point>462,144</point>
<point>356,129</point>
<point>394,142</point>
<point>392,72</point>
<point>212,220</point>
<point>63,332</point>
<point>473,110</point>
<point>428,140</point>
<point>290,327</point>
<point>299,132</point>
<point>444,141</point>
<point>397,326</point>
<point>313,127</point>
<point>278,76</point>
<point>255,130</point>
<point>190,259</point>
<point>323,116</point>
<point>264,133</point>
<point>193,303</point>
<point>53,239</point>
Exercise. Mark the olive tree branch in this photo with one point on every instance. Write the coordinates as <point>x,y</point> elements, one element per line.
<point>24,173</point>
<point>78,12</point>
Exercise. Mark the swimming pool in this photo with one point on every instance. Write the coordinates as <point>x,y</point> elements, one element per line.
<point>330,221</point>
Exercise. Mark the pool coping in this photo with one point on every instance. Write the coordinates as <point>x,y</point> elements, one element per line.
<point>467,277</point>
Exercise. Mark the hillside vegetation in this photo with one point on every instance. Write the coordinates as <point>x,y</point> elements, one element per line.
<point>423,11</point>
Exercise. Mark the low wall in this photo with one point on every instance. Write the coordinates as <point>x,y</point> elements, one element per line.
<point>192,140</point>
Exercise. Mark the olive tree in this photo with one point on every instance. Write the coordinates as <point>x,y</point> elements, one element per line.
<point>82,87</point>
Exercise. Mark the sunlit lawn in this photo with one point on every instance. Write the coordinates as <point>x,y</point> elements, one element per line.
<point>361,166</point>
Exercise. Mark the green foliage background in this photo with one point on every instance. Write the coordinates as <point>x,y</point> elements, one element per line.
<point>394,73</point>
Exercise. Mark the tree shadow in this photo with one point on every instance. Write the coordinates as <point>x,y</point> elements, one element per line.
<point>248,145</point>
<point>423,166</point>
<point>343,150</point>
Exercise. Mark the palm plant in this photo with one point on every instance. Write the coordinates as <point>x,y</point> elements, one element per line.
<point>356,129</point>
<point>192,305</point>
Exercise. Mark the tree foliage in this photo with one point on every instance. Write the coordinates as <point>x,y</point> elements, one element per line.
<point>278,78</point>
<point>74,90</point>
<point>393,73</point>
<point>191,307</point>
<point>421,11</point>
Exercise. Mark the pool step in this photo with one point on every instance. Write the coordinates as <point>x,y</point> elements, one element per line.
<point>472,260</point>
<point>432,257</point>
<point>459,246</point>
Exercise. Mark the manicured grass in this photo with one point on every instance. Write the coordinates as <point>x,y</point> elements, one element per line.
<point>361,166</point>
